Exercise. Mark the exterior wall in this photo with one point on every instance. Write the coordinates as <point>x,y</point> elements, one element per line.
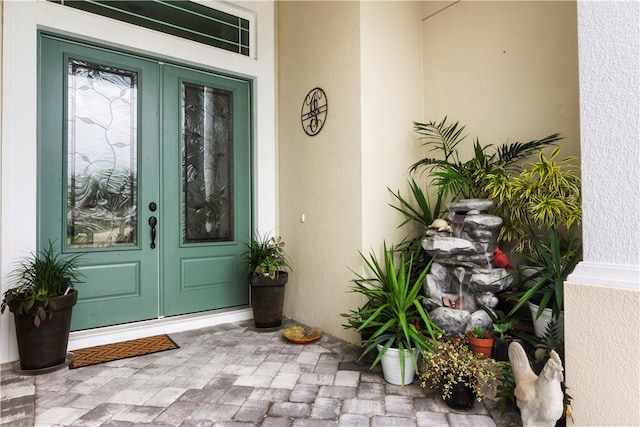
<point>602,296</point>
<point>508,70</point>
<point>22,19</point>
<point>364,55</point>
<point>392,97</point>
<point>319,176</point>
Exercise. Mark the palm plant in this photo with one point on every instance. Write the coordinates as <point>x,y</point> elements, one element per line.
<point>467,178</point>
<point>393,315</point>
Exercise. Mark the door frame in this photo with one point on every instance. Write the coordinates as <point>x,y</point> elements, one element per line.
<point>21,22</point>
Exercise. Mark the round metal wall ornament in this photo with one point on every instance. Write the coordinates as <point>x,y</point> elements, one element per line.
<point>314,111</point>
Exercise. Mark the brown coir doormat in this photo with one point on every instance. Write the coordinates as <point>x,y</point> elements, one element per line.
<point>121,350</point>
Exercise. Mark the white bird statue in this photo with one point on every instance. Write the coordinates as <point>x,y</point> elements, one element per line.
<point>540,398</point>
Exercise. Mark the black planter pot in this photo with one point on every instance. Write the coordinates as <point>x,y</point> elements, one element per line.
<point>267,299</point>
<point>45,346</point>
<point>501,348</point>
<point>462,397</point>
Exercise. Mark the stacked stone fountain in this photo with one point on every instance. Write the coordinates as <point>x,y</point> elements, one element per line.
<point>462,276</point>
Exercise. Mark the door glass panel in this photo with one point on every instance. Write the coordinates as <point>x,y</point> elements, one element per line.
<point>207,159</point>
<point>102,145</point>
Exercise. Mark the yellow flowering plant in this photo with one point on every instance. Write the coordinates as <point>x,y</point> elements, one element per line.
<point>450,362</point>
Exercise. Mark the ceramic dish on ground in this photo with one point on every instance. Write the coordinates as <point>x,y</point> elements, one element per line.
<point>297,334</point>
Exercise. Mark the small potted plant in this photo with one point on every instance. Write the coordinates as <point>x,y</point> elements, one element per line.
<point>463,378</point>
<point>480,342</point>
<point>41,302</point>
<point>502,328</point>
<point>267,263</point>
<point>393,320</point>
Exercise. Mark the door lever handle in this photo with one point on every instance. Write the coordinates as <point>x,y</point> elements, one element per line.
<point>153,221</point>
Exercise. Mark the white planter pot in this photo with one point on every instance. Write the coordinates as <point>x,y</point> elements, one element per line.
<point>391,366</point>
<point>540,324</point>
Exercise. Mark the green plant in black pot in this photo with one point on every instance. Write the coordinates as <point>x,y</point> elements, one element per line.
<point>266,264</point>
<point>393,320</point>
<point>265,256</point>
<point>503,325</point>
<point>42,301</point>
<point>462,377</point>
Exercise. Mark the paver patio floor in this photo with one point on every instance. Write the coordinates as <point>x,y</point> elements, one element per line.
<point>232,375</point>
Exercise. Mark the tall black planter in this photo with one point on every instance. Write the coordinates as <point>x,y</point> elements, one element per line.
<point>267,299</point>
<point>45,346</point>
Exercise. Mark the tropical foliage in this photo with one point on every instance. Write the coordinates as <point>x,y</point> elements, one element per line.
<point>39,278</point>
<point>554,262</point>
<point>546,194</point>
<point>265,256</point>
<point>393,315</point>
<point>454,176</point>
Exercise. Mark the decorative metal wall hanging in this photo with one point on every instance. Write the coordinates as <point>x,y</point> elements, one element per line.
<point>314,111</point>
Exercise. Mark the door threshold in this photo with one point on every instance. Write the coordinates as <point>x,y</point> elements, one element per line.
<point>147,328</point>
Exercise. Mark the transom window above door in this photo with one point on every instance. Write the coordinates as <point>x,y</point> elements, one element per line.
<point>181,18</point>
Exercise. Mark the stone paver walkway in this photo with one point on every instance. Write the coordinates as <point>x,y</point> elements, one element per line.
<point>232,375</point>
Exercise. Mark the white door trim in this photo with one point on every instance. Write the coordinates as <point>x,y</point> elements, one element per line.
<point>21,22</point>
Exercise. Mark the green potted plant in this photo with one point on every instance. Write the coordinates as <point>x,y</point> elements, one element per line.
<point>480,342</point>
<point>554,261</point>
<point>267,265</point>
<point>392,320</point>
<point>542,211</point>
<point>42,301</point>
<point>503,325</point>
<point>462,377</point>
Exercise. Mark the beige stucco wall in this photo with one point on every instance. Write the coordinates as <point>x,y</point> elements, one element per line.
<point>603,343</point>
<point>366,58</point>
<point>319,177</point>
<point>507,70</point>
<point>602,320</point>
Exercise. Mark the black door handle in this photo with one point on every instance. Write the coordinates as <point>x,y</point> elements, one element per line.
<point>153,221</point>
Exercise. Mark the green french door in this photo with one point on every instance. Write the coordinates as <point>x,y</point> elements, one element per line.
<point>144,168</point>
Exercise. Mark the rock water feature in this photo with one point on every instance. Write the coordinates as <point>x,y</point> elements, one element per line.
<point>462,276</point>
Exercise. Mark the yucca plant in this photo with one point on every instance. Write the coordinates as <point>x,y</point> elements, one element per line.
<point>393,315</point>
<point>456,177</point>
<point>554,262</point>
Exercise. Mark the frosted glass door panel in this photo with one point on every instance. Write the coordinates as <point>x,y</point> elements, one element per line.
<point>102,155</point>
